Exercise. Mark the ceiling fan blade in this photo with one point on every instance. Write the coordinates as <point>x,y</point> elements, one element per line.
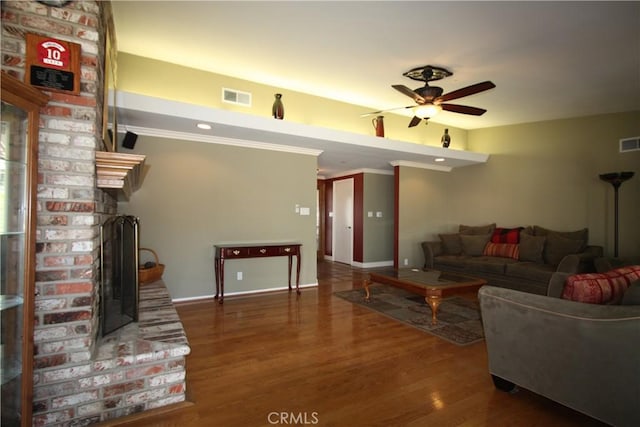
<point>411,94</point>
<point>464,109</point>
<point>375,113</point>
<point>415,121</point>
<point>466,91</point>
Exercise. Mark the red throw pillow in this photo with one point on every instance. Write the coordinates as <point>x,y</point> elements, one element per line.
<point>600,288</point>
<point>506,235</point>
<point>505,250</point>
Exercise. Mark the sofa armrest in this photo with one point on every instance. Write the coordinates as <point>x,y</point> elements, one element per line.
<point>581,355</point>
<point>588,257</point>
<point>431,250</point>
<point>556,284</point>
<point>570,264</point>
<point>582,262</point>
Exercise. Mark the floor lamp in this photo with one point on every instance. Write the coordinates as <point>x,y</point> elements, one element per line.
<point>616,179</point>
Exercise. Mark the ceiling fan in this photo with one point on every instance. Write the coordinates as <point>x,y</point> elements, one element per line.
<point>430,100</point>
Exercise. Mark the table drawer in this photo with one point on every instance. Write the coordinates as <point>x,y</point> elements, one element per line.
<point>235,252</point>
<point>263,251</point>
<point>288,250</point>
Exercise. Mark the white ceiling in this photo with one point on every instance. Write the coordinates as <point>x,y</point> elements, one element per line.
<point>549,60</point>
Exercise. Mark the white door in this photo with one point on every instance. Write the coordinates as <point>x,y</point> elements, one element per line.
<point>343,221</point>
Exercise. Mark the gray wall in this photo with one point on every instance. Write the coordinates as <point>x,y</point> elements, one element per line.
<point>378,231</point>
<point>539,173</point>
<point>196,194</point>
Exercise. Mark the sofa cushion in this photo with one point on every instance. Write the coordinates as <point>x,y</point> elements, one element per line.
<point>473,245</point>
<point>582,234</point>
<point>600,288</point>
<point>557,247</point>
<point>488,264</point>
<point>457,262</point>
<point>506,235</point>
<point>475,230</point>
<point>531,247</point>
<point>531,271</point>
<point>505,250</point>
<point>451,244</point>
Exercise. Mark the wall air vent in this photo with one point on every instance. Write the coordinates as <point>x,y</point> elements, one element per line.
<point>232,96</point>
<point>630,144</point>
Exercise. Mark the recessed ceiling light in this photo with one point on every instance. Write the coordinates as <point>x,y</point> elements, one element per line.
<point>439,159</point>
<point>204,126</point>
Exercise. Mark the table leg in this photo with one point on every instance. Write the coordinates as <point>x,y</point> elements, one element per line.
<point>221,300</point>
<point>290,257</point>
<point>434,302</point>
<point>216,263</point>
<point>298,273</point>
<point>366,284</point>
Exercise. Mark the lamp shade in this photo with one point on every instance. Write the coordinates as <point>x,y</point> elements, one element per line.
<point>426,110</point>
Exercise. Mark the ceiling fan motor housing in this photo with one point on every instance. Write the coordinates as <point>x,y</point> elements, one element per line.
<point>429,92</point>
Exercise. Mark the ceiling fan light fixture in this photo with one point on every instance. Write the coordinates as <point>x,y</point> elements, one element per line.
<point>426,111</point>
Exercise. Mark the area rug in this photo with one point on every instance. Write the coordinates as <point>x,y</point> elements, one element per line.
<point>458,318</point>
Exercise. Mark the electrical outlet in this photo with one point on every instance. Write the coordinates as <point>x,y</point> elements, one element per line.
<point>239,275</point>
<point>406,261</point>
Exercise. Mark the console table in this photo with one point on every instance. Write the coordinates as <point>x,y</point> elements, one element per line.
<point>254,250</point>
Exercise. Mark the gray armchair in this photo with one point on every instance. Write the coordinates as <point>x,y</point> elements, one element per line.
<point>584,356</point>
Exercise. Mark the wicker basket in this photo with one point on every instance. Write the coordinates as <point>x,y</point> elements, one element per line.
<point>148,275</point>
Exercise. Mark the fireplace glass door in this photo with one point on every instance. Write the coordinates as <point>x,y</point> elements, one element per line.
<point>119,272</point>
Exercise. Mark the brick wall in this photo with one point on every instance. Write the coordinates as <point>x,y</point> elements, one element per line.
<point>71,385</point>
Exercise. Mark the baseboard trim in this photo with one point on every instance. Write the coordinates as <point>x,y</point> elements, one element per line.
<point>375,264</point>
<point>357,264</point>
<point>241,293</point>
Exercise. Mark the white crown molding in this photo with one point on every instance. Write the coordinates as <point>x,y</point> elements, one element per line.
<point>337,151</point>
<point>421,165</point>
<point>213,139</point>
<point>357,171</point>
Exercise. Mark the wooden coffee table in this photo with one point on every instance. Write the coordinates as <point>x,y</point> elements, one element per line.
<point>431,284</point>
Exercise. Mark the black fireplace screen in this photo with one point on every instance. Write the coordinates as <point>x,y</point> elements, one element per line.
<point>119,272</point>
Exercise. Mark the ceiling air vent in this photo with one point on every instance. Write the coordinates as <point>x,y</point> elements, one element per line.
<point>237,97</point>
<point>630,144</point>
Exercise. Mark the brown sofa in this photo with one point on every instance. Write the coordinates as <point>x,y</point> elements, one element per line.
<point>520,258</point>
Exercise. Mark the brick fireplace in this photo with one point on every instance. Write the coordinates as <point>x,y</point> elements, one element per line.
<point>79,377</point>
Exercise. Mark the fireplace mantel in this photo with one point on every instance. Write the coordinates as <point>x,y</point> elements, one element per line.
<point>120,171</point>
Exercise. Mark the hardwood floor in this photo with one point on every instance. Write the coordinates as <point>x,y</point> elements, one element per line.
<point>279,359</point>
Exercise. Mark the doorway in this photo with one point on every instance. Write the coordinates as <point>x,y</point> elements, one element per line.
<point>343,221</point>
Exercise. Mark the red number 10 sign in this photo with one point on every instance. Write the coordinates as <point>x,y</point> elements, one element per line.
<point>53,64</point>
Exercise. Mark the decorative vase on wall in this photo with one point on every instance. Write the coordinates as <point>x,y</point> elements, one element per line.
<point>446,139</point>
<point>278,108</point>
<point>378,125</point>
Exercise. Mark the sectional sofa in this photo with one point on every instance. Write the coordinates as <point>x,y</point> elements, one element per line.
<point>577,346</point>
<point>521,258</point>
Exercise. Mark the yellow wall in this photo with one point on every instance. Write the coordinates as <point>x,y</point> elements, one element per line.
<point>169,81</point>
